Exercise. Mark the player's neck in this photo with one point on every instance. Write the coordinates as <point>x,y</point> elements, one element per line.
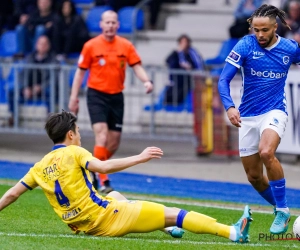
<point>273,41</point>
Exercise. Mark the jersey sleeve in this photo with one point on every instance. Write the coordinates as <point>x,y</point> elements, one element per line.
<point>133,56</point>
<point>83,157</point>
<point>239,53</point>
<point>85,58</point>
<point>28,180</point>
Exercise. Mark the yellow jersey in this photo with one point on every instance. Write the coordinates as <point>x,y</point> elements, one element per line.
<point>64,177</point>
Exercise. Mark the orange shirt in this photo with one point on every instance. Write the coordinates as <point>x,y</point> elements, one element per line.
<point>107,62</point>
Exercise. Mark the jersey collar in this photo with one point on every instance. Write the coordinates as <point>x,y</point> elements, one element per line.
<point>58,146</point>
<point>275,44</point>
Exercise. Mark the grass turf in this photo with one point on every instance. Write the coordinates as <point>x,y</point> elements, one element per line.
<point>30,223</point>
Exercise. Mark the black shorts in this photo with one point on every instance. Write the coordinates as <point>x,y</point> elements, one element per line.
<point>108,108</point>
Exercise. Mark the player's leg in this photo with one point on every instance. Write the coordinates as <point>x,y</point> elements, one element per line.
<point>115,113</point>
<point>173,231</point>
<point>272,130</point>
<point>101,151</point>
<point>98,107</point>
<point>154,216</point>
<point>249,137</point>
<point>253,166</point>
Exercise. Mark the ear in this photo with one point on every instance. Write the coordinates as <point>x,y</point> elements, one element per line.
<point>70,135</point>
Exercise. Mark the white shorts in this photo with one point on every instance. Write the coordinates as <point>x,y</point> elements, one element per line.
<point>252,128</point>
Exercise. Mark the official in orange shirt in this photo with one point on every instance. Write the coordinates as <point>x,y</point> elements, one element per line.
<point>106,56</point>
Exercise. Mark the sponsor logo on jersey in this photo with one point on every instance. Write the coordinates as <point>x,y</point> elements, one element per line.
<point>234,56</point>
<point>258,54</point>
<point>285,59</point>
<point>268,74</point>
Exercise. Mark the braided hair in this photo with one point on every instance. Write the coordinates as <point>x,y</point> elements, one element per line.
<point>269,11</point>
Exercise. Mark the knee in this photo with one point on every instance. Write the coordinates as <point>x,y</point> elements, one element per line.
<point>114,145</point>
<point>101,137</point>
<point>266,154</point>
<point>254,177</point>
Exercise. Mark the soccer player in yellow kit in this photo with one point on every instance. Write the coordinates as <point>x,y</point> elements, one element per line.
<point>63,175</point>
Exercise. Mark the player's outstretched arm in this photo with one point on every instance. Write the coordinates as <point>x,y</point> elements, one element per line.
<point>12,195</point>
<point>115,165</point>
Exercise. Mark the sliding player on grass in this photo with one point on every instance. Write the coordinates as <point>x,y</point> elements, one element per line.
<point>64,176</point>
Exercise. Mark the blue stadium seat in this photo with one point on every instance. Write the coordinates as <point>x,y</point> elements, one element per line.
<point>126,22</point>
<point>94,16</point>
<point>8,44</point>
<point>79,10</point>
<point>186,105</point>
<point>83,1</point>
<point>225,49</point>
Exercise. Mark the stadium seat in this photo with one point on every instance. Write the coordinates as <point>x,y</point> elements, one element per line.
<point>83,1</point>
<point>79,10</point>
<point>126,22</point>
<point>93,17</point>
<point>186,105</point>
<point>8,44</point>
<point>226,47</point>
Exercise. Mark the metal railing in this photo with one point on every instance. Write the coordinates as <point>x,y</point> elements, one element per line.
<point>165,114</point>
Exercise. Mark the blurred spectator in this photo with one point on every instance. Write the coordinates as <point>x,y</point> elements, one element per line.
<point>243,11</point>
<point>23,8</point>
<point>34,83</point>
<point>39,23</point>
<point>293,20</point>
<point>184,58</point>
<point>6,15</point>
<point>69,31</point>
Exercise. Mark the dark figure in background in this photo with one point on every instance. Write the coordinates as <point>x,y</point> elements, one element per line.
<point>184,58</point>
<point>6,15</point>
<point>243,11</point>
<point>69,31</point>
<point>40,22</point>
<point>23,8</point>
<point>34,83</point>
<point>293,21</point>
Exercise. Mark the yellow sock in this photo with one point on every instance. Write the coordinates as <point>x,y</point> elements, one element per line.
<point>202,224</point>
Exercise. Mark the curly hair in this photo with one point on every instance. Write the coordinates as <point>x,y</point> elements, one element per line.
<point>269,11</point>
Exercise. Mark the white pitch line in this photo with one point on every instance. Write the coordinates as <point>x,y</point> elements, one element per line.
<point>175,242</point>
<point>191,203</point>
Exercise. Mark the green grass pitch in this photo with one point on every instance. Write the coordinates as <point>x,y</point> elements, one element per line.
<point>30,223</point>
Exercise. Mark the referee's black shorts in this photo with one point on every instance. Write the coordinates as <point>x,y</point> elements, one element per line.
<point>108,108</point>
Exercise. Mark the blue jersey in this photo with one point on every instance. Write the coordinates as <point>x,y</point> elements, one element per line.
<point>264,71</point>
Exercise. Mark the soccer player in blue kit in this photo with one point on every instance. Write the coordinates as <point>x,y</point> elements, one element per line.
<point>264,59</point>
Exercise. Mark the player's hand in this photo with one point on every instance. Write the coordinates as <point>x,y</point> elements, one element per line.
<point>151,153</point>
<point>148,86</point>
<point>74,105</point>
<point>234,116</point>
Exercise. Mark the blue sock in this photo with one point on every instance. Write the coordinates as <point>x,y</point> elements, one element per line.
<point>278,189</point>
<point>268,196</point>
